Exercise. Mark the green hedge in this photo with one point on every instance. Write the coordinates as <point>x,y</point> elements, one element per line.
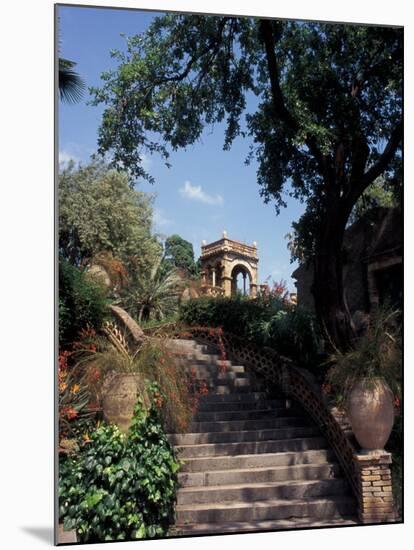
<point>292,332</point>
<point>82,302</point>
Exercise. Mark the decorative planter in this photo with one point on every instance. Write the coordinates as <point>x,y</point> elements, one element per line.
<point>120,396</point>
<point>371,413</point>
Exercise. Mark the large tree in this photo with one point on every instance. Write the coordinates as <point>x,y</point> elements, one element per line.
<point>322,105</point>
<point>179,253</point>
<point>100,214</point>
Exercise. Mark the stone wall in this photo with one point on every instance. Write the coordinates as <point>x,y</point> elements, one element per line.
<point>370,244</point>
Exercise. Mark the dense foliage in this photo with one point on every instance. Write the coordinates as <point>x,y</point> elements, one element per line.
<point>99,213</point>
<point>120,487</point>
<point>179,253</point>
<point>326,119</point>
<point>82,302</point>
<point>153,293</point>
<point>292,332</point>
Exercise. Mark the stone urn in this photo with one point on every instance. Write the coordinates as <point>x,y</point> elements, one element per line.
<point>121,392</point>
<point>370,409</point>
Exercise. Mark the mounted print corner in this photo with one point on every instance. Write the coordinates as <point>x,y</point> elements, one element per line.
<point>230,274</point>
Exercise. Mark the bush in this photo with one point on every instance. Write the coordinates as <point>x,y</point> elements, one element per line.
<point>121,487</point>
<point>82,302</point>
<point>291,332</point>
<point>234,315</point>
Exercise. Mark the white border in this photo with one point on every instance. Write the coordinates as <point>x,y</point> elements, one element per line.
<point>26,229</point>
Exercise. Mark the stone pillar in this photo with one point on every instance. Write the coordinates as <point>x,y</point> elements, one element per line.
<point>244,284</point>
<point>376,503</point>
<point>253,290</point>
<point>213,276</point>
<point>226,283</point>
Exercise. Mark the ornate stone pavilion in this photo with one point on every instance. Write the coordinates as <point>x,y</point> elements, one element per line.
<point>223,261</point>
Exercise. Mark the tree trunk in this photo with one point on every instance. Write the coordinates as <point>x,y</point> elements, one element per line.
<point>328,288</point>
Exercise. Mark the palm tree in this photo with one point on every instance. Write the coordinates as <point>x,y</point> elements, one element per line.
<point>71,85</point>
<point>155,293</point>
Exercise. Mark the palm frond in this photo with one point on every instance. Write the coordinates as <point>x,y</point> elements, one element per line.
<point>71,85</point>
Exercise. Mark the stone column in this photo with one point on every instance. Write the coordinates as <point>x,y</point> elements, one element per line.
<point>226,285</point>
<point>244,284</point>
<point>213,276</point>
<point>376,503</point>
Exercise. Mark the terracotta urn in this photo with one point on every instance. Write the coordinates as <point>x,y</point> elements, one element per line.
<point>120,395</point>
<point>370,411</point>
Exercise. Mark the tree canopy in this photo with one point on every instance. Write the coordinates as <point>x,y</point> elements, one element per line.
<point>321,104</point>
<point>100,213</point>
<point>179,253</point>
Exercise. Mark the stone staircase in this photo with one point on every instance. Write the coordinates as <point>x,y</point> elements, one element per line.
<point>253,461</point>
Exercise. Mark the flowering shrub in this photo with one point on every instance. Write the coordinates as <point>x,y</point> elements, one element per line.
<point>121,487</point>
<point>74,398</point>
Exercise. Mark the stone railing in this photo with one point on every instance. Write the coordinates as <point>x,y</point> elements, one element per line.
<point>123,331</point>
<point>369,475</point>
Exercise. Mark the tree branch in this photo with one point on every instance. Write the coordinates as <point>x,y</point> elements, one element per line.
<point>377,168</point>
<point>278,100</point>
<point>279,105</point>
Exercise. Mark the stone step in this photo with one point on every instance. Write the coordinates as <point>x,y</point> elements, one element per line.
<point>251,492</point>
<point>215,374</point>
<point>242,436</point>
<point>211,368</point>
<point>266,510</point>
<point>235,382</point>
<point>190,345</point>
<point>250,397</point>
<point>256,526</point>
<point>260,460</point>
<point>244,414</point>
<point>216,406</point>
<point>245,425</point>
<point>237,388</point>
<point>300,441</point>
<point>202,359</point>
<point>259,475</point>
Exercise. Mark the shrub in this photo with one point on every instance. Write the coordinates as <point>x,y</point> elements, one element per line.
<point>265,321</point>
<point>121,487</point>
<point>236,315</point>
<point>293,333</point>
<point>82,302</point>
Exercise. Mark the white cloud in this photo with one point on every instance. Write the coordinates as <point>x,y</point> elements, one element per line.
<point>195,193</point>
<point>160,219</point>
<point>65,157</point>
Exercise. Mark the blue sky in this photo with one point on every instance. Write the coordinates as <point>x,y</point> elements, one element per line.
<point>207,190</point>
